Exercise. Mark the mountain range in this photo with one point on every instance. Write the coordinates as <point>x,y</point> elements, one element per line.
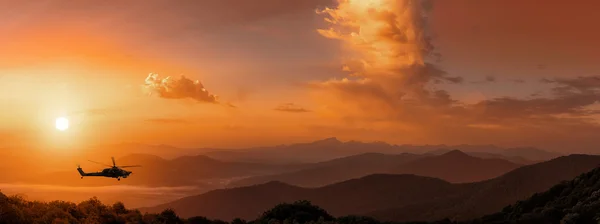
<point>573,201</point>
<point>208,173</point>
<point>395,197</point>
<point>453,166</point>
<point>220,167</point>
<point>332,148</point>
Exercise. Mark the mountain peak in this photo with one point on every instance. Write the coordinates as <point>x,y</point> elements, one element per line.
<point>195,159</point>
<point>455,153</point>
<point>331,140</point>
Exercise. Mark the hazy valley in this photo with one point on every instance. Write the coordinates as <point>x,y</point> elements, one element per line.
<point>402,187</point>
<point>380,179</point>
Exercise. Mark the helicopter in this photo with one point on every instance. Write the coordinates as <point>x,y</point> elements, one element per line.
<point>113,172</point>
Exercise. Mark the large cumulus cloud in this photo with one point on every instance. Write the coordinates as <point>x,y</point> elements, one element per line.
<point>390,56</point>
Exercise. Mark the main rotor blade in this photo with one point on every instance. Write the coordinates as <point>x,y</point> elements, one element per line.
<point>130,166</point>
<point>100,163</point>
<point>113,159</point>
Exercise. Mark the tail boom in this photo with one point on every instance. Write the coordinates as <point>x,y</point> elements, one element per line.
<point>83,174</point>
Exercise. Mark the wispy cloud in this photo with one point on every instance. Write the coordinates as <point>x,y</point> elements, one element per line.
<point>487,79</point>
<point>167,121</point>
<point>291,107</point>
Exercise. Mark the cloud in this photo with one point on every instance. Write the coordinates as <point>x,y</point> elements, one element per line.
<point>486,126</point>
<point>582,84</point>
<point>506,107</point>
<point>230,105</point>
<point>291,107</point>
<point>487,79</point>
<point>167,121</point>
<point>170,88</point>
<point>391,45</point>
<point>568,96</point>
<point>570,103</point>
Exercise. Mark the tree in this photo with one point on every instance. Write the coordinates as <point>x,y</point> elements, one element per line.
<point>169,216</point>
<point>238,221</point>
<point>300,212</point>
<point>119,208</point>
<point>198,220</point>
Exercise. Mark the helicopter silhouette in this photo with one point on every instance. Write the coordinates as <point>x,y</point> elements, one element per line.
<point>113,172</point>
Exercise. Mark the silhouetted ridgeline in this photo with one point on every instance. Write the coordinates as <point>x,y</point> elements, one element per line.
<point>575,201</point>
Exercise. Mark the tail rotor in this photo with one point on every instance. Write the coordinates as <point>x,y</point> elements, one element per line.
<point>80,171</point>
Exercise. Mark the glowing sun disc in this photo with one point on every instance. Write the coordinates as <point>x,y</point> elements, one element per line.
<point>62,123</point>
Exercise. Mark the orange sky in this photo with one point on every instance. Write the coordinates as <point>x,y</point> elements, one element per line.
<point>89,62</point>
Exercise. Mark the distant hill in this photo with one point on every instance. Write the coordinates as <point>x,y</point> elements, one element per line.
<point>312,152</point>
<point>337,170</point>
<point>456,167</point>
<point>530,153</point>
<point>349,197</point>
<point>332,148</point>
<point>489,155</point>
<point>391,197</point>
<point>490,196</point>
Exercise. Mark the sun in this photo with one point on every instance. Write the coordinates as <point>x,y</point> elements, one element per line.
<point>62,123</point>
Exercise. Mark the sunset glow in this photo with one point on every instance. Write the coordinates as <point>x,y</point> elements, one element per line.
<point>357,70</point>
<point>149,101</point>
<point>62,124</point>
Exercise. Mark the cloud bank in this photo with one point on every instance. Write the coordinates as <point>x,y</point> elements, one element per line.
<point>173,88</point>
<point>392,78</point>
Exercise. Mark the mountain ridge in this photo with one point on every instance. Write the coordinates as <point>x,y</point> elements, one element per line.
<point>356,166</point>
<point>406,193</point>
